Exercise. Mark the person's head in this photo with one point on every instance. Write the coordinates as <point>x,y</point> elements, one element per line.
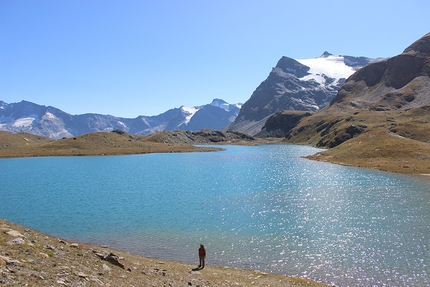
<point>201,246</point>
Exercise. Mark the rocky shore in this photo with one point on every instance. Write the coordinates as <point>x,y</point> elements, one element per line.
<point>31,258</point>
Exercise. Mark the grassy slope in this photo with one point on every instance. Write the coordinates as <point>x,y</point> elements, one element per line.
<point>100,143</point>
<point>395,141</point>
<point>381,150</point>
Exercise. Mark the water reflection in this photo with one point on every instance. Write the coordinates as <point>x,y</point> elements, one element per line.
<point>260,207</point>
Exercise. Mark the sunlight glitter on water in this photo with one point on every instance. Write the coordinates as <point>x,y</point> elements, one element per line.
<point>259,207</point>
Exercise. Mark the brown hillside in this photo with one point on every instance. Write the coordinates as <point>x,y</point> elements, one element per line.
<point>9,140</point>
<point>119,143</point>
<point>101,143</point>
<point>381,150</point>
<point>349,137</point>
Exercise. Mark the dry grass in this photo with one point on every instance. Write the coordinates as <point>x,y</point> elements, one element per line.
<point>395,141</point>
<point>119,143</point>
<point>31,258</point>
<point>100,143</point>
<point>381,150</point>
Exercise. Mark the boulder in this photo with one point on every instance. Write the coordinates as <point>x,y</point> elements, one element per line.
<point>111,258</point>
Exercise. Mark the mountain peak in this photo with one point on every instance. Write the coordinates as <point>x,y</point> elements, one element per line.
<point>296,84</point>
<point>218,102</point>
<point>326,54</point>
<point>292,66</point>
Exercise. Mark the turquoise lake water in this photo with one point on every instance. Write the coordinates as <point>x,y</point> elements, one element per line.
<point>262,208</point>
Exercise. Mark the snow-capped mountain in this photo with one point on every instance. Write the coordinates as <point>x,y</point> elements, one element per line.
<point>302,84</point>
<point>54,123</point>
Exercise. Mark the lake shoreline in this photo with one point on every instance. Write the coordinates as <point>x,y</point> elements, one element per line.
<point>30,257</point>
<point>396,157</point>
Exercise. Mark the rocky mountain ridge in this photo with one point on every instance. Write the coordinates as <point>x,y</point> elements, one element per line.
<point>306,85</point>
<point>55,123</point>
<point>401,82</point>
<point>380,117</point>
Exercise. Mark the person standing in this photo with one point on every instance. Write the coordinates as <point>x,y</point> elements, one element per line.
<point>202,256</point>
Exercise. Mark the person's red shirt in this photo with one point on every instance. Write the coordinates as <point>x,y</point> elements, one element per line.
<point>202,252</point>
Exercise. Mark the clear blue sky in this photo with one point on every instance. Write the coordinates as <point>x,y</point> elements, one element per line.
<point>130,58</point>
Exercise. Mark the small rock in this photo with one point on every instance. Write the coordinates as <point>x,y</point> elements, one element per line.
<point>81,274</point>
<point>63,267</point>
<point>98,281</point>
<point>105,267</point>
<point>38,276</point>
<point>44,254</point>
<point>16,241</point>
<point>61,241</point>
<point>9,261</point>
<point>74,245</point>
<point>14,233</point>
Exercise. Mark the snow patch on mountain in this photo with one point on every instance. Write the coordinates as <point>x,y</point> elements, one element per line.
<point>50,115</point>
<point>330,66</point>
<point>220,104</point>
<point>224,105</point>
<point>190,111</point>
<point>23,122</point>
<point>120,123</point>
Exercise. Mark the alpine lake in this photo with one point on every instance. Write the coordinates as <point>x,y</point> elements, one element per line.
<point>261,207</point>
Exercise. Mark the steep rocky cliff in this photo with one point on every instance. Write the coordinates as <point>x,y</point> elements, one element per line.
<point>305,85</point>
<point>281,123</point>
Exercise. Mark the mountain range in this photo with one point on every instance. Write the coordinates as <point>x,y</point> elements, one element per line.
<point>379,117</point>
<point>54,123</point>
<point>308,84</point>
<point>305,85</point>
